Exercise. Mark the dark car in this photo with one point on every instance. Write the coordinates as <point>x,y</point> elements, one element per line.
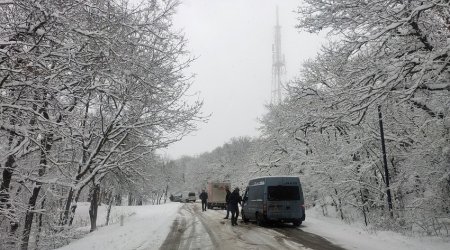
<point>191,197</point>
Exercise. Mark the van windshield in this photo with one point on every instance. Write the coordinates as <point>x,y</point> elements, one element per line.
<point>283,193</point>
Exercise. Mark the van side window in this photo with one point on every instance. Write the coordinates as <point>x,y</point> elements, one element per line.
<point>256,193</point>
<point>283,193</point>
<point>251,194</point>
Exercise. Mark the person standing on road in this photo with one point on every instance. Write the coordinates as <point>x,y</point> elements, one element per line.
<point>234,200</point>
<point>227,201</point>
<point>204,197</point>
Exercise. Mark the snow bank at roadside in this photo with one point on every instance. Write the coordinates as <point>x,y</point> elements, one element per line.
<point>82,222</point>
<point>355,236</point>
<point>145,227</point>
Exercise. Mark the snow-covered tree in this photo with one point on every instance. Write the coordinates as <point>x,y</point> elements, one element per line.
<point>86,89</point>
<point>386,55</point>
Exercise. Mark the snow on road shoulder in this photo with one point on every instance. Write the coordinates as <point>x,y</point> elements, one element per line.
<point>354,236</point>
<point>146,228</point>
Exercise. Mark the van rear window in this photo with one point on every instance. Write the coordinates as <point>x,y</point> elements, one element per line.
<point>191,194</point>
<point>283,193</point>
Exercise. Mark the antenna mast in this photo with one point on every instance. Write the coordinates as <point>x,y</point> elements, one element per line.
<point>278,65</point>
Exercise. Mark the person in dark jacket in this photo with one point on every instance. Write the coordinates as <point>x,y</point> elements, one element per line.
<point>204,197</point>
<point>234,200</point>
<point>227,201</point>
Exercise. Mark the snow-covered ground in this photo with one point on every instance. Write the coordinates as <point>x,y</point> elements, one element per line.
<point>146,227</point>
<point>354,236</point>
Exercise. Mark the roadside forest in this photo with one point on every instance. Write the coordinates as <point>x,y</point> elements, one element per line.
<point>88,91</point>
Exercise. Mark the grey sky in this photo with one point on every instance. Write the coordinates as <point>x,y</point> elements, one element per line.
<point>233,40</point>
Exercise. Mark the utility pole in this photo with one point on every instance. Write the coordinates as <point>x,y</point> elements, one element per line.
<point>386,171</point>
<point>278,65</point>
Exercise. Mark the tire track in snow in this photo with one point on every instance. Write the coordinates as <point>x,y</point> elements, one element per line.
<point>194,229</point>
<point>173,240</point>
<point>308,240</point>
<point>195,211</point>
<point>243,236</point>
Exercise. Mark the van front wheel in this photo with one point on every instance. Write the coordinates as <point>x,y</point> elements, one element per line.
<point>297,223</point>
<point>244,218</point>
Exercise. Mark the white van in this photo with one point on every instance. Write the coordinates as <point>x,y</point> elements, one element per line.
<point>188,197</point>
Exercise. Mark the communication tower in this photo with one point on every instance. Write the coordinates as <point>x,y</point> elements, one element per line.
<point>278,66</point>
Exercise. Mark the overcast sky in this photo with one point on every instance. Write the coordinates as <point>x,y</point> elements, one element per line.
<point>233,42</point>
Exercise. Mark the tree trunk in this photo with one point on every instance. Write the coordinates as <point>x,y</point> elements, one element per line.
<point>93,209</point>
<point>74,207</point>
<point>6,180</point>
<point>5,202</point>
<point>165,194</point>
<point>46,143</point>
<point>130,199</point>
<point>118,200</point>
<point>29,216</point>
<point>71,203</point>
<point>65,218</point>
<point>364,204</point>
<point>39,222</point>
<point>110,203</point>
<point>70,207</point>
<point>338,204</point>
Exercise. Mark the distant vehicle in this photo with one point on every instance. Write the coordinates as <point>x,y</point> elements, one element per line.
<point>177,198</point>
<point>274,198</point>
<point>191,197</point>
<point>216,194</point>
<point>188,197</point>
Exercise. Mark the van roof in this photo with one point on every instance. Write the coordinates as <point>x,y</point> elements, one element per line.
<point>275,180</point>
<point>278,176</point>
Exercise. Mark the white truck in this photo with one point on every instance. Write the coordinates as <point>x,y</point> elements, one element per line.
<point>216,194</point>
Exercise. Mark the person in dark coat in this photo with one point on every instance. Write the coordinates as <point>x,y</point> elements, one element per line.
<point>227,201</point>
<point>204,197</point>
<point>234,200</point>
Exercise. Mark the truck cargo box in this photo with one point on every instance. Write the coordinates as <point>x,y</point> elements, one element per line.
<point>217,194</point>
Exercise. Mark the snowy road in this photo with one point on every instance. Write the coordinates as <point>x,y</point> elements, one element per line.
<point>194,229</point>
